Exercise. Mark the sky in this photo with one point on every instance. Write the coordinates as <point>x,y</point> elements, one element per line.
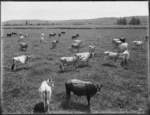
<point>71,10</point>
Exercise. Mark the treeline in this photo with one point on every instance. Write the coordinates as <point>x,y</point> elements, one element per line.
<point>28,23</point>
<point>133,21</point>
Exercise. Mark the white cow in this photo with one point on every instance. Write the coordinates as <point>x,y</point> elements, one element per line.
<point>99,37</point>
<point>91,48</point>
<point>78,41</point>
<point>21,59</point>
<point>75,46</point>
<point>124,57</point>
<point>122,47</point>
<point>54,43</point>
<point>45,91</point>
<point>66,61</point>
<point>111,56</point>
<point>85,56</point>
<point>138,43</point>
<point>20,38</point>
<point>23,45</point>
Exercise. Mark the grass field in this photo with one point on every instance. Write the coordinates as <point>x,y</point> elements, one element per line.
<point>125,88</point>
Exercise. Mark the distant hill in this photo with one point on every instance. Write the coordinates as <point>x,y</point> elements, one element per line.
<point>97,21</point>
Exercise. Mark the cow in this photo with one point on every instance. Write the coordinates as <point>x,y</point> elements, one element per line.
<point>54,43</point>
<point>20,38</point>
<point>85,56</point>
<point>75,46</point>
<point>23,46</point>
<point>124,57</point>
<point>98,37</point>
<point>75,36</point>
<point>91,48</point>
<point>67,61</point>
<point>42,39</point>
<point>9,35</point>
<point>13,33</point>
<point>78,41</point>
<point>111,56</point>
<point>138,43</point>
<point>45,91</point>
<point>122,47</point>
<point>52,34</point>
<point>63,32</point>
<point>21,59</point>
<point>82,88</point>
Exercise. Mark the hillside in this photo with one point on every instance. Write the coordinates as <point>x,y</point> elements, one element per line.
<point>98,21</point>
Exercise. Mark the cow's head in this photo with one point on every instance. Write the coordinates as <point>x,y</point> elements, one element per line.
<point>98,88</point>
<point>50,82</point>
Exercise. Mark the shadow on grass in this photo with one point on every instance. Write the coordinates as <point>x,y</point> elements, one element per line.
<point>74,106</point>
<point>39,108</point>
<point>83,65</point>
<point>109,65</point>
<point>22,68</point>
<point>68,70</point>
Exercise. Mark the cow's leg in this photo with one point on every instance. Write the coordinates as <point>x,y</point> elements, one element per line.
<point>88,99</point>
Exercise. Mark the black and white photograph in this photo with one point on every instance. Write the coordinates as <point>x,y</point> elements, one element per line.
<point>74,57</point>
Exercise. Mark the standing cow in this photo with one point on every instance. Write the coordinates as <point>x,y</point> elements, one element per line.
<point>82,88</point>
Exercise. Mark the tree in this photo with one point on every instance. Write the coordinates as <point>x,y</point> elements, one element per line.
<point>134,21</point>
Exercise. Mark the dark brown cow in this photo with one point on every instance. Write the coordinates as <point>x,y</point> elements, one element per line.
<point>52,34</point>
<point>9,35</point>
<point>82,88</point>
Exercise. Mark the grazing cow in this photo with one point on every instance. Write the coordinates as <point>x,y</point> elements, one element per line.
<point>111,56</point>
<point>99,37</point>
<point>52,34</point>
<point>22,59</point>
<point>45,91</point>
<point>78,41</point>
<point>85,56</point>
<point>63,32</point>
<point>66,61</point>
<point>138,43</point>
<point>124,57</point>
<point>122,47</point>
<point>116,41</point>
<point>75,36</point>
<point>42,34</point>
<point>13,33</point>
<point>20,34</point>
<point>91,48</point>
<point>59,34</point>
<point>54,43</point>
<point>42,39</point>
<point>9,35</point>
<point>20,38</point>
<point>82,88</point>
<point>23,46</point>
<point>75,46</point>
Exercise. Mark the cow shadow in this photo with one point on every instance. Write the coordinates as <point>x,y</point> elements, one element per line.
<point>39,108</point>
<point>21,68</point>
<point>109,65</point>
<point>83,65</point>
<point>68,70</point>
<point>75,106</point>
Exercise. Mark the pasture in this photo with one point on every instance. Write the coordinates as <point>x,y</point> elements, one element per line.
<point>125,88</point>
